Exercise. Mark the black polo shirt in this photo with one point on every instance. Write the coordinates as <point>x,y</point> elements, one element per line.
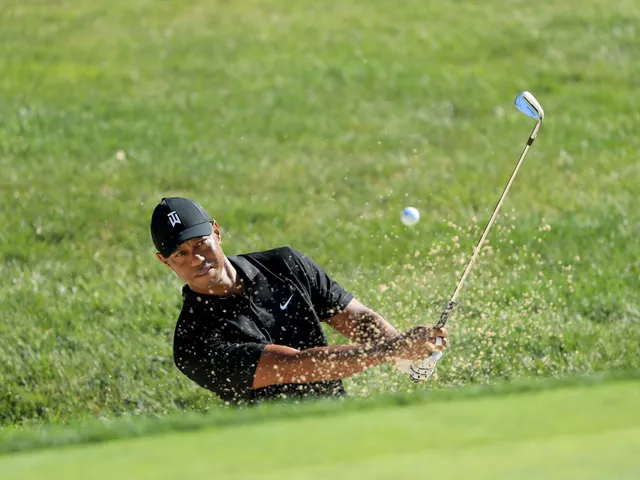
<point>218,340</point>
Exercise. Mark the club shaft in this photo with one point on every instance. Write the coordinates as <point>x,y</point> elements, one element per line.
<point>454,298</point>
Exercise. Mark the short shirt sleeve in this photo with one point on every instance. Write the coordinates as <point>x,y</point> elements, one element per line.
<point>226,368</point>
<point>328,297</point>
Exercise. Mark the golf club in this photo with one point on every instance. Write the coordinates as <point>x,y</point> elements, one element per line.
<point>527,104</point>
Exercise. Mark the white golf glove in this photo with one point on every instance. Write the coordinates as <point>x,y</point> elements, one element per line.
<point>403,365</point>
<point>422,369</point>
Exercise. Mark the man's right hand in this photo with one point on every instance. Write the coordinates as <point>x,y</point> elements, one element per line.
<point>417,343</point>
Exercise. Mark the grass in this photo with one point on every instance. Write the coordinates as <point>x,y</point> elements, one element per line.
<point>19,439</point>
<point>313,125</point>
<point>539,434</point>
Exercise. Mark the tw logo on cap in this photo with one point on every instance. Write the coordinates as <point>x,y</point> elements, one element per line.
<point>174,218</point>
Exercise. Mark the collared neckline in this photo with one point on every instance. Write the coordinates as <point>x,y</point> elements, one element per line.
<point>244,267</point>
<point>257,283</point>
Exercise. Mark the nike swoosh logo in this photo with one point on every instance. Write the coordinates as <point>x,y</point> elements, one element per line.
<point>283,306</point>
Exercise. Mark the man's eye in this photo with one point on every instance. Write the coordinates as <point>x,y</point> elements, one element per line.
<point>179,254</point>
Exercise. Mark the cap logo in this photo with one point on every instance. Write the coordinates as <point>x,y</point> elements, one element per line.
<point>174,218</point>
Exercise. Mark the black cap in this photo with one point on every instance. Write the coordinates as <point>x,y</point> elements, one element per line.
<point>176,220</point>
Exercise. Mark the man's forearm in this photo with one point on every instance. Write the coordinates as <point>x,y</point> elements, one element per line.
<point>279,365</point>
<point>374,328</point>
<point>362,325</point>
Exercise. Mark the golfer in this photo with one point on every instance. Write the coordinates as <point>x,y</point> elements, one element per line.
<point>249,328</point>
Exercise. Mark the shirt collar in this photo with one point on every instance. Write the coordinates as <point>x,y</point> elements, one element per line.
<point>257,284</point>
<point>245,268</point>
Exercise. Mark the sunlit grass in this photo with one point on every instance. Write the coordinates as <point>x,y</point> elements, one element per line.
<point>313,125</point>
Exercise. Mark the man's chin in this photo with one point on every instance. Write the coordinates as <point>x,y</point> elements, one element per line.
<point>211,278</point>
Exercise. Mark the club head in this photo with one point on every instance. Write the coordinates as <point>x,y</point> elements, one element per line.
<point>527,104</point>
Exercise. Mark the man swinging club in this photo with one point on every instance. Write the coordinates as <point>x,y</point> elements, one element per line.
<point>250,327</point>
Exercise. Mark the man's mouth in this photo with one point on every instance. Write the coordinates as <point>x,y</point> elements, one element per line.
<point>204,271</point>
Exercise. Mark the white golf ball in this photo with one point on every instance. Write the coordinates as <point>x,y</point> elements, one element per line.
<point>410,216</point>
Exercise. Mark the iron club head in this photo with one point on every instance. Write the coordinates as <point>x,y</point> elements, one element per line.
<point>527,104</point>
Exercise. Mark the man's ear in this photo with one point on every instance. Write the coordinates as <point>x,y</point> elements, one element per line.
<point>216,230</point>
<point>162,259</point>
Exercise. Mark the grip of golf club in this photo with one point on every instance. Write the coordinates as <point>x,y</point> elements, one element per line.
<point>423,369</point>
<point>446,313</point>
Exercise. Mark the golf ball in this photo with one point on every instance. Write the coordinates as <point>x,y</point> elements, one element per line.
<point>410,216</point>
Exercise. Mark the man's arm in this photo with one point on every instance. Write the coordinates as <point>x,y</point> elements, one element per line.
<point>279,364</point>
<point>355,321</point>
<point>362,325</point>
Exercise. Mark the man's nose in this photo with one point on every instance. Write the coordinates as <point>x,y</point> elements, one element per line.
<point>197,259</point>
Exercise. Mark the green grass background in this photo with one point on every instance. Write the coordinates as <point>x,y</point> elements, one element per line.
<point>313,124</point>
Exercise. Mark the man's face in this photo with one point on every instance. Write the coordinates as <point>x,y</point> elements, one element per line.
<point>199,261</point>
